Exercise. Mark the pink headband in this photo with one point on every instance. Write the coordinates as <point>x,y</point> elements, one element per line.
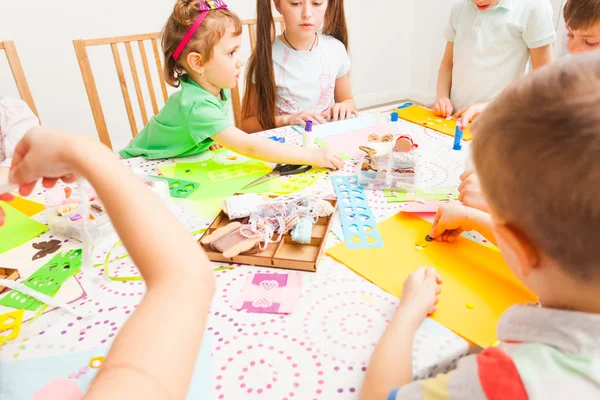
<point>205,7</point>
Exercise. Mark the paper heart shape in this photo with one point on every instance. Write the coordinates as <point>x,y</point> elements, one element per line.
<point>268,285</point>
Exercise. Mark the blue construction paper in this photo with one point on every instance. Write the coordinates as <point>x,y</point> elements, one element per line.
<point>20,379</point>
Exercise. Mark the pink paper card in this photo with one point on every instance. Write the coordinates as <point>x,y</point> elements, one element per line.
<point>270,293</point>
<point>423,207</point>
<point>348,142</point>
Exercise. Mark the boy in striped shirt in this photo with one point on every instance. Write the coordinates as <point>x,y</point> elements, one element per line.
<point>537,153</point>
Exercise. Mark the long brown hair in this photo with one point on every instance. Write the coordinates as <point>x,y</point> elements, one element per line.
<point>260,66</point>
<point>212,29</point>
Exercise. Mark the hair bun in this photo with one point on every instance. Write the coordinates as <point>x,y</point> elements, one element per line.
<point>185,12</point>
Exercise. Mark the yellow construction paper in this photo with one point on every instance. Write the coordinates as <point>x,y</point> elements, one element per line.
<point>478,286</point>
<point>10,322</point>
<point>27,207</point>
<point>425,117</point>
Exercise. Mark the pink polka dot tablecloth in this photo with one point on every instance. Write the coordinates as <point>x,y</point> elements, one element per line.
<point>319,351</point>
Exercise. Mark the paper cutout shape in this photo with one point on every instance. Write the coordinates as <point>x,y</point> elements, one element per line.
<point>47,280</point>
<point>45,248</point>
<point>234,172</point>
<point>425,117</point>
<point>358,221</point>
<point>178,187</point>
<point>349,142</point>
<point>26,206</point>
<point>338,127</point>
<point>18,228</point>
<point>270,293</point>
<point>439,193</point>
<point>472,274</point>
<point>10,326</point>
<point>59,388</point>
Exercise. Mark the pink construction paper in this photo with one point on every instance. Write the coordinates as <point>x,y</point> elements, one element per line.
<point>422,207</point>
<point>59,388</point>
<point>270,293</point>
<point>348,142</point>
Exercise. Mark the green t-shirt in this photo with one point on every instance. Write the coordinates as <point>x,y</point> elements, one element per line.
<point>184,126</point>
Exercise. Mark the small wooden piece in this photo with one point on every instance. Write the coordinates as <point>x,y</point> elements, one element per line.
<point>8,273</point>
<point>284,254</point>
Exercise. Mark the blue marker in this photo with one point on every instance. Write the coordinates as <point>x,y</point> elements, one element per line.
<point>458,135</point>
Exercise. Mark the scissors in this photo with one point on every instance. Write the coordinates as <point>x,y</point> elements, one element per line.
<point>280,170</point>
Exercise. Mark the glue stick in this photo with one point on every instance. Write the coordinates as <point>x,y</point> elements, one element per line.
<point>458,135</point>
<point>308,140</point>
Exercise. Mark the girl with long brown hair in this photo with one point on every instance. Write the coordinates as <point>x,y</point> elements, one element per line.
<point>200,44</point>
<point>303,74</point>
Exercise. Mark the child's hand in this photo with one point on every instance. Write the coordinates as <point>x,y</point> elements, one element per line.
<point>469,113</point>
<point>443,107</point>
<point>450,221</point>
<point>469,192</point>
<point>215,146</point>
<point>44,154</point>
<point>420,292</point>
<point>327,158</point>
<point>340,112</point>
<point>308,115</point>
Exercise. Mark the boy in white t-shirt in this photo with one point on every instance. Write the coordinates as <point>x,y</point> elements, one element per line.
<point>489,45</point>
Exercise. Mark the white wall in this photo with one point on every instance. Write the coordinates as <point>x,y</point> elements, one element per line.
<point>395,45</point>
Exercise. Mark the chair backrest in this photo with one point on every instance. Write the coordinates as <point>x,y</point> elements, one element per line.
<point>235,92</point>
<point>17,70</point>
<point>137,78</point>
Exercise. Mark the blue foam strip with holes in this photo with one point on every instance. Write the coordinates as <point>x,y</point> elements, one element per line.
<point>358,220</point>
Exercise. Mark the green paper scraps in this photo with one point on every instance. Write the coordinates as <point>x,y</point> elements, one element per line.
<point>179,188</point>
<point>46,280</point>
<point>237,171</point>
<point>18,228</point>
<point>440,193</point>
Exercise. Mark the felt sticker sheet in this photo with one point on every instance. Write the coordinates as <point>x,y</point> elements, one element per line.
<point>270,293</point>
<point>478,286</point>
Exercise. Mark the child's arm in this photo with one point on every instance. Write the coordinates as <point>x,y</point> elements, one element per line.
<point>391,363</point>
<point>250,122</point>
<point>452,219</point>
<point>541,56</point>
<point>443,106</point>
<point>154,354</point>
<point>345,106</point>
<point>267,150</point>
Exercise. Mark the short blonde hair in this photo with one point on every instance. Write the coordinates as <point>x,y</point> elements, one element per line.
<point>210,32</point>
<point>537,153</point>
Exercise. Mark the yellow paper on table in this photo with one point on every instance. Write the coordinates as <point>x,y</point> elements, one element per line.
<point>26,206</point>
<point>478,286</point>
<point>425,117</point>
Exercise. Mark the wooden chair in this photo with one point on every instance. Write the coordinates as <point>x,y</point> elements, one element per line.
<point>90,83</point>
<point>17,70</point>
<point>235,92</point>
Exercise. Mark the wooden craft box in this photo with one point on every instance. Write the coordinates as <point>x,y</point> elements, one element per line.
<point>285,254</point>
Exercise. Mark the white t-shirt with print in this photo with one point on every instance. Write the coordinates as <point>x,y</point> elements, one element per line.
<point>491,47</point>
<point>305,80</point>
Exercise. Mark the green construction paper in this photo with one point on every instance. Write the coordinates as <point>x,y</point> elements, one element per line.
<point>18,228</point>
<point>440,193</point>
<point>47,280</point>
<point>321,143</point>
<point>179,188</point>
<point>236,171</point>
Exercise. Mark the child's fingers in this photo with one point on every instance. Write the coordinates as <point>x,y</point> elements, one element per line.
<point>26,189</point>
<point>49,182</point>
<point>465,175</point>
<point>6,197</point>
<point>69,178</point>
<point>335,113</point>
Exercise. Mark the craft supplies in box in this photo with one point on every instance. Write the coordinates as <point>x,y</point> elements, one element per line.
<point>279,233</point>
<point>388,164</point>
<point>65,214</point>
